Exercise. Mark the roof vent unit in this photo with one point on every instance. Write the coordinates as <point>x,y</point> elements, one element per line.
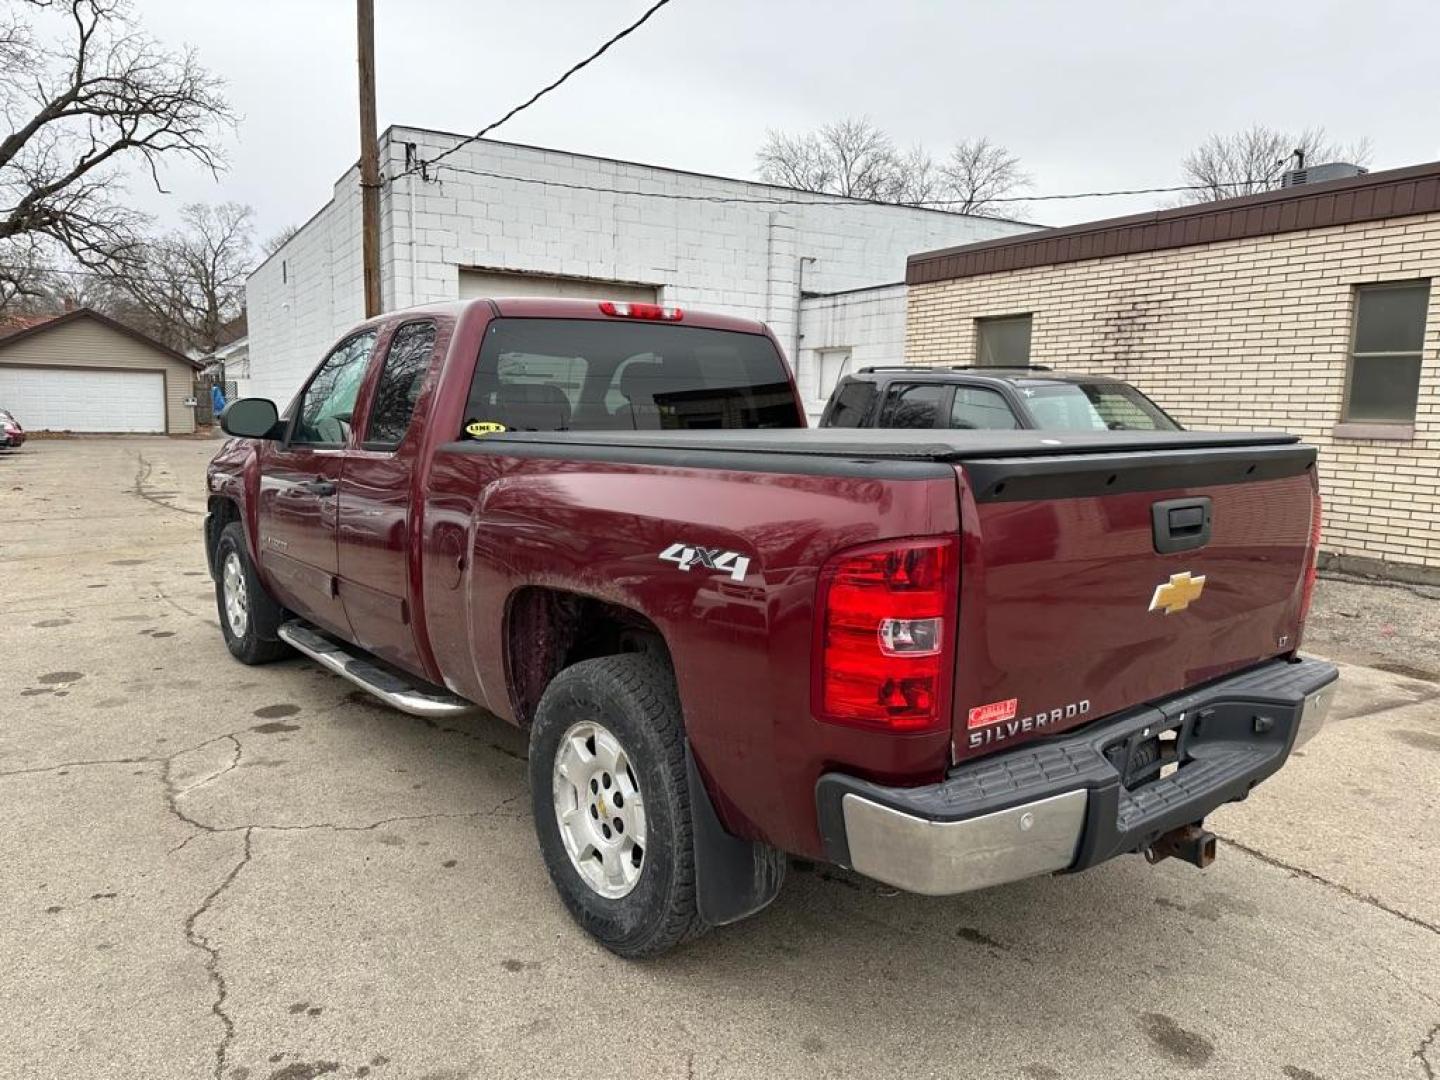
<point>1315,174</point>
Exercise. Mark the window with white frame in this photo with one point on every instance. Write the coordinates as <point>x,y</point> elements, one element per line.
<point>830,366</point>
<point>1385,358</point>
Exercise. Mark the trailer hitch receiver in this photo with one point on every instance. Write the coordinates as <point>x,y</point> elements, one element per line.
<point>1189,842</point>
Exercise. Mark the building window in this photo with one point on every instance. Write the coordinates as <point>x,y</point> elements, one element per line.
<point>831,365</point>
<point>1003,342</point>
<point>1384,378</point>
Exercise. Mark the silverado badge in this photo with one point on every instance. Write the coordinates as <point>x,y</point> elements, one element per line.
<point>1178,593</point>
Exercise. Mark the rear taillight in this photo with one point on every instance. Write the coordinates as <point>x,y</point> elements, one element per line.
<point>886,615</point>
<point>623,310</point>
<point>1312,567</point>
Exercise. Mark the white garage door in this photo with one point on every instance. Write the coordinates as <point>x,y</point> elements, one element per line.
<point>55,399</point>
<point>490,283</point>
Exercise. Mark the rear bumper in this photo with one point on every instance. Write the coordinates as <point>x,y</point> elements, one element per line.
<point>1073,801</point>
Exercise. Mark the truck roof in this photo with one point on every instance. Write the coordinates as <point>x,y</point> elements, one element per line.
<point>546,307</point>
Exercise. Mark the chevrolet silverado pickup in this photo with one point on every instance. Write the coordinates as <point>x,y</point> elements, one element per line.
<point>944,659</point>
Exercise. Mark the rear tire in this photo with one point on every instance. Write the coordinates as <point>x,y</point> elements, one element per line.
<point>249,616</point>
<point>607,731</point>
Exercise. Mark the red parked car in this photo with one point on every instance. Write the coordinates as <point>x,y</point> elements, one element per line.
<point>945,659</point>
<point>11,433</point>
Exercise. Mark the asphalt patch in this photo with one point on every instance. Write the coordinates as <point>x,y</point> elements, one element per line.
<point>1420,740</point>
<point>1175,1042</point>
<point>274,712</point>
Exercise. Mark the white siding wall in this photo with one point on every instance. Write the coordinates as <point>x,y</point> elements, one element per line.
<point>738,258</point>
<point>868,323</point>
<point>306,295</point>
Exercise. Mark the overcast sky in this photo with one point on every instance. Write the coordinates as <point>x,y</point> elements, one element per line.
<point>1091,96</point>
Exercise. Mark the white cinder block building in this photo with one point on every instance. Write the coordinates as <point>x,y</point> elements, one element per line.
<point>842,331</point>
<point>500,219</point>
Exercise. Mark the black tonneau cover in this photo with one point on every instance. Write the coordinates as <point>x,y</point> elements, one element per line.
<point>891,443</point>
<point>998,465</point>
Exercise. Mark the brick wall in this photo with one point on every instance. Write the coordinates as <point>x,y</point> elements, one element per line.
<point>534,214</point>
<point>1242,334</point>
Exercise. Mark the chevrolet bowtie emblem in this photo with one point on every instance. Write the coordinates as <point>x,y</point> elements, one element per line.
<point>1178,593</point>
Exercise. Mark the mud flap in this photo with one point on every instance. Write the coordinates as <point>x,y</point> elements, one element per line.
<point>734,878</point>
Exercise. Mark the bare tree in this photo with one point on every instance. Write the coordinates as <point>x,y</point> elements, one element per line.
<point>850,157</point>
<point>25,281</point>
<point>190,284</point>
<point>105,97</point>
<point>855,158</point>
<point>982,177</point>
<point>917,181</point>
<point>1251,161</point>
<point>278,239</point>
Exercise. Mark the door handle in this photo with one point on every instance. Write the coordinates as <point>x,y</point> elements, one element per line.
<point>318,487</point>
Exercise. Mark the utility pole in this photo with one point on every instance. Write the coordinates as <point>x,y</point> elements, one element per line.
<point>369,158</point>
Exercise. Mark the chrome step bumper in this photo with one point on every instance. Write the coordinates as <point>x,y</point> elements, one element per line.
<point>385,685</point>
<point>1070,802</point>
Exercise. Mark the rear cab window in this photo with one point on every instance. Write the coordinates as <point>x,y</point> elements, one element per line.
<point>586,375</point>
<point>1098,406</point>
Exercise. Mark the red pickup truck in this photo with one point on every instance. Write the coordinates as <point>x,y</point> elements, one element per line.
<point>946,659</point>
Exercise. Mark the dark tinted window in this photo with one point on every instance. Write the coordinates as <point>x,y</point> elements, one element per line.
<point>581,374</point>
<point>1094,407</point>
<point>405,366</point>
<point>914,406</point>
<point>328,405</point>
<point>851,405</point>
<point>976,408</point>
<point>1003,342</point>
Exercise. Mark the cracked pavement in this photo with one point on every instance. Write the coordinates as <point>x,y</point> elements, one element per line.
<point>210,870</point>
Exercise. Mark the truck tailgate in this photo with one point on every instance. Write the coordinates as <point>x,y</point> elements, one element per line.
<point>1094,582</point>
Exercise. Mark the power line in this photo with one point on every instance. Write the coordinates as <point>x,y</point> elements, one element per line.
<point>130,279</point>
<point>823,198</point>
<point>651,10</point>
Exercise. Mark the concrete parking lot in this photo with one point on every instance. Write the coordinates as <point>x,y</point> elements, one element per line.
<point>208,870</point>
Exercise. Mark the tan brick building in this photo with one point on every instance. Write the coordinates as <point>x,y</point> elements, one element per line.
<point>1309,309</point>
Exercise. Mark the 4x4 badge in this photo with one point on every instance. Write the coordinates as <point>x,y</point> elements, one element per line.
<point>686,556</point>
<point>1178,593</point>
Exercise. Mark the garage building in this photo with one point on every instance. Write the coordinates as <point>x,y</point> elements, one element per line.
<point>82,371</point>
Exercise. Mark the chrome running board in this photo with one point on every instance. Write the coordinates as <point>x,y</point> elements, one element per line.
<point>385,685</point>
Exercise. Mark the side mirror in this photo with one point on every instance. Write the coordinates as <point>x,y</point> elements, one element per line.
<point>252,418</point>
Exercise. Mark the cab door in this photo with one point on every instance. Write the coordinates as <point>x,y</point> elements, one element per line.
<point>298,500</point>
<point>376,543</point>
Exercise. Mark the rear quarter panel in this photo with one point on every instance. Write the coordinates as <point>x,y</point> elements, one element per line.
<point>741,649</point>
